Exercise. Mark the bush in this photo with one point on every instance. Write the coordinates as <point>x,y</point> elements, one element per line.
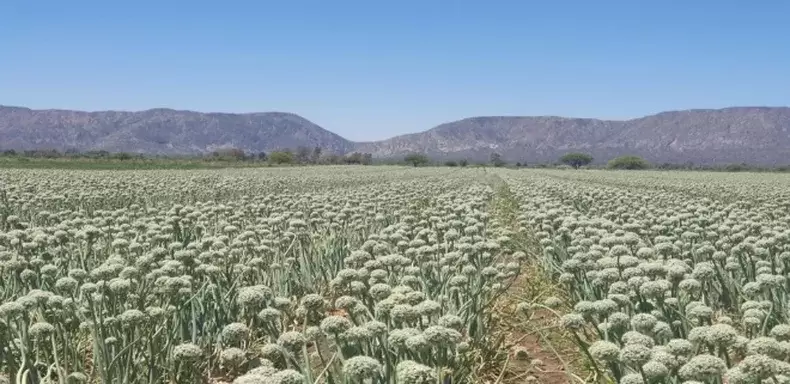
<point>416,159</point>
<point>121,156</point>
<point>450,163</point>
<point>229,154</point>
<point>281,157</point>
<point>628,162</point>
<point>737,167</point>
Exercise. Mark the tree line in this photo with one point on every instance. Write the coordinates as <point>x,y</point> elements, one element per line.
<point>575,160</point>
<point>317,156</point>
<point>299,155</point>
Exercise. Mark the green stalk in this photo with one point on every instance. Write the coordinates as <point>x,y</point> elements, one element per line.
<point>61,379</point>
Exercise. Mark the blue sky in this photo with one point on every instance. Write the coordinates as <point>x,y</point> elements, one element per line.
<point>372,69</point>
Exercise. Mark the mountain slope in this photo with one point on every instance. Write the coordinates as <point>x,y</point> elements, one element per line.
<point>160,131</point>
<point>755,135</point>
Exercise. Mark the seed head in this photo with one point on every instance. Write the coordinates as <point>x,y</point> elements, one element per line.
<point>335,325</point>
<point>41,330</point>
<point>398,337</point>
<point>634,354</point>
<point>288,376</point>
<point>410,372</point>
<point>362,368</point>
<point>234,333</point>
<point>604,351</point>
<point>292,341</point>
<point>187,352</point>
<point>269,314</point>
<point>232,357</point>
<point>654,370</point>
<point>703,367</point>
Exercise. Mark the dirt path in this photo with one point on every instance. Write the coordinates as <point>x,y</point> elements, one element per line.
<point>540,350</point>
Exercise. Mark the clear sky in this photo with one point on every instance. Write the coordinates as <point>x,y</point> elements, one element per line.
<point>372,69</point>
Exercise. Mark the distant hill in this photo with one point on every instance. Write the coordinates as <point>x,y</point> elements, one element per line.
<point>161,131</point>
<point>754,135</point>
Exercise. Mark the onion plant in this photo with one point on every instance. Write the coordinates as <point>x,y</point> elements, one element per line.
<point>303,275</point>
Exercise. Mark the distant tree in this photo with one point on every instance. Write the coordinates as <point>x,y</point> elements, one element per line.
<point>72,152</point>
<point>49,153</point>
<point>496,159</point>
<point>122,156</point>
<point>416,159</point>
<point>281,157</point>
<point>576,159</point>
<point>518,164</point>
<point>333,158</point>
<point>628,162</point>
<point>354,158</point>
<point>736,167</point>
<point>367,158</point>
<point>675,166</point>
<point>463,162</point>
<point>97,154</point>
<point>9,152</point>
<point>450,163</point>
<point>261,156</point>
<point>302,155</point>
<point>316,155</point>
<point>229,154</point>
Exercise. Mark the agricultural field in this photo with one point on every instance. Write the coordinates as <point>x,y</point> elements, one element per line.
<point>393,275</point>
<point>298,275</point>
<point>670,277</point>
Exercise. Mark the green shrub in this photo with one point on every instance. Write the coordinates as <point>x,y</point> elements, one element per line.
<point>416,159</point>
<point>628,162</point>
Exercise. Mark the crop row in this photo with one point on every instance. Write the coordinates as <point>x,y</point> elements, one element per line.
<point>670,277</point>
<point>336,275</point>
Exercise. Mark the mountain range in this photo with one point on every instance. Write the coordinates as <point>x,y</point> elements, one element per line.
<point>753,135</point>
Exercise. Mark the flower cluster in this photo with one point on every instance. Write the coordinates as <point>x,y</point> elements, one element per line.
<point>275,275</point>
<point>670,277</point>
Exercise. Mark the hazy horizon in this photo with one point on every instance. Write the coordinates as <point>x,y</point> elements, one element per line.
<point>371,71</point>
